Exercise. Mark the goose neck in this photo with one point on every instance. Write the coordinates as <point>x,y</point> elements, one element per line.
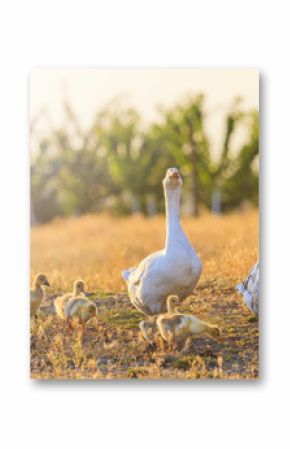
<point>173,226</point>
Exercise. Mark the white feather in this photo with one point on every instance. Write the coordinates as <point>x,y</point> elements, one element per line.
<point>173,270</point>
<point>249,288</point>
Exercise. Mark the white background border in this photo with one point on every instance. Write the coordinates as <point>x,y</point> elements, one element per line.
<point>149,34</point>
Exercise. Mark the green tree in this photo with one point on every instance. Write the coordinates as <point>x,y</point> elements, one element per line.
<point>134,162</point>
<point>118,164</point>
<point>182,133</point>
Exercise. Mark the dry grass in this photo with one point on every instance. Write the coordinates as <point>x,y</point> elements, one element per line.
<point>97,248</point>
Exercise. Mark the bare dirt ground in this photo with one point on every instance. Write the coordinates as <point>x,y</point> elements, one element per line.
<point>97,249</point>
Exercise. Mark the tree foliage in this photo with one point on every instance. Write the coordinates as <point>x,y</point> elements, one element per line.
<point>117,164</point>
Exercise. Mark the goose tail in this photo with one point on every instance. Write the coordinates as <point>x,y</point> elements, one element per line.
<point>126,274</point>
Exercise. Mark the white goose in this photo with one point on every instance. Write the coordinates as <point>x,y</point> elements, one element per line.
<point>249,288</point>
<point>173,270</point>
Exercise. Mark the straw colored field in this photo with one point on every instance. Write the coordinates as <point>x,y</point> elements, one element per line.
<point>97,248</point>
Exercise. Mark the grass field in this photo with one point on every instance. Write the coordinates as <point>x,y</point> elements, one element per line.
<point>96,249</point>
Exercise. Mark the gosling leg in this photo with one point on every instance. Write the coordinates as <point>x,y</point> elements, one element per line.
<point>69,326</point>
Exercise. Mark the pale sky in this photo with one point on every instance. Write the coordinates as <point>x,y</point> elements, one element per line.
<point>88,90</point>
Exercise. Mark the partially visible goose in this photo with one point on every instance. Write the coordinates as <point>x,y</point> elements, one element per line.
<point>173,270</point>
<point>249,288</point>
<point>37,294</point>
<point>59,303</point>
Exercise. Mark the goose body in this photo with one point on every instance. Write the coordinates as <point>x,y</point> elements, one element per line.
<point>249,288</point>
<point>173,270</point>
<point>60,302</point>
<point>37,294</point>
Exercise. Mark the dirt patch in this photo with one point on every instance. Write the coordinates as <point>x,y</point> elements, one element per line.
<point>113,348</point>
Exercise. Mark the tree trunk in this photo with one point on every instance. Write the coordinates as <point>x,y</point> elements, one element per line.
<point>33,221</point>
<point>194,173</point>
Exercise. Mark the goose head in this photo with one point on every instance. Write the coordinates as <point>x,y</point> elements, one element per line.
<point>41,279</point>
<point>172,180</point>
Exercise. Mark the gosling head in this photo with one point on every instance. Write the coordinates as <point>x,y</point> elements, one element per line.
<point>41,279</point>
<point>172,180</point>
<point>172,300</point>
<point>79,287</point>
<point>92,310</point>
<point>215,332</point>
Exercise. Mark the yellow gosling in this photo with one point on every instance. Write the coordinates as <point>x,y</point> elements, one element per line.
<point>81,308</point>
<point>171,299</point>
<point>149,327</point>
<point>178,326</point>
<point>60,302</point>
<point>37,294</point>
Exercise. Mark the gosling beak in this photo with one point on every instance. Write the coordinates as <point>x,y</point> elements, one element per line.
<point>46,283</point>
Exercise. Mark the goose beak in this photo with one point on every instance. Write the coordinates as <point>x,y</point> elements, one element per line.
<point>172,179</point>
<point>173,173</point>
<point>46,283</point>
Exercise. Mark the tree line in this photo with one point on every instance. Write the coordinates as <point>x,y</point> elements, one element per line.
<point>117,164</point>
